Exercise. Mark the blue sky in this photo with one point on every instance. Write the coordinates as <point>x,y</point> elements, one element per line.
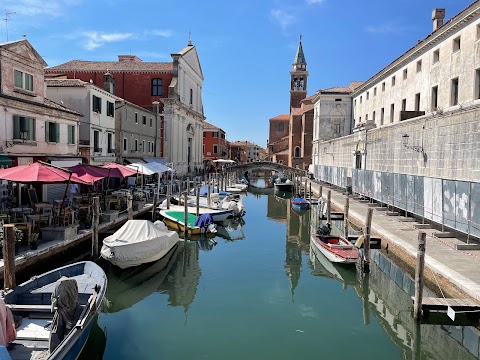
<point>246,47</point>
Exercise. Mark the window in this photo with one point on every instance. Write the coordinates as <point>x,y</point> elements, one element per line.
<point>151,122</point>
<point>215,134</point>
<point>110,149</point>
<point>434,102</point>
<point>436,56</point>
<point>417,102</point>
<point>136,118</point>
<point>404,104</point>
<point>191,96</point>
<point>383,86</point>
<point>156,87</point>
<point>203,149</point>
<point>23,128</point>
<point>125,144</point>
<point>215,149</point>
<point>393,80</point>
<point>336,129</point>
<point>392,111</point>
<point>297,152</point>
<point>144,119</point>
<point>338,99</point>
<point>71,134</point>
<point>23,80</point>
<point>456,44</point>
<point>96,141</point>
<point>204,134</point>
<point>419,66</point>
<point>97,104</point>
<point>360,99</point>
<point>382,115</point>
<point>454,92</point>
<point>405,74</point>
<point>110,109</point>
<point>375,91</point>
<point>368,95</point>
<point>355,102</point>
<point>373,116</point>
<point>136,144</point>
<point>52,132</point>
<point>144,149</point>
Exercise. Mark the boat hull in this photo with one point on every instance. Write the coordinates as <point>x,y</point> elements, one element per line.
<point>342,252</point>
<point>283,187</point>
<point>218,215</point>
<point>179,225</point>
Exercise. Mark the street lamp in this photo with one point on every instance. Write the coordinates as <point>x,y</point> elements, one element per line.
<point>418,149</point>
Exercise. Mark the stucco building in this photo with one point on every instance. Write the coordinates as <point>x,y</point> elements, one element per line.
<point>214,142</point>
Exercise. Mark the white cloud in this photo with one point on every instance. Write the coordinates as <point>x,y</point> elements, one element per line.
<point>387,28</point>
<point>282,17</point>
<point>307,312</point>
<point>95,39</point>
<point>312,2</point>
<point>161,33</point>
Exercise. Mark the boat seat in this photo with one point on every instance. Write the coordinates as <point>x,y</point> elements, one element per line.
<point>34,329</point>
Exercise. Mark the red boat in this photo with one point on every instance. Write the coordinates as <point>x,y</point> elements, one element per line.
<point>335,248</point>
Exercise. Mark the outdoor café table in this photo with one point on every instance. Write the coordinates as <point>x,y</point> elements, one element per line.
<point>40,207</point>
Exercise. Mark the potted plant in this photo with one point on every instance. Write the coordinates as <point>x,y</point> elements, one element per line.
<point>18,238</point>
<point>33,241</point>
<point>138,200</point>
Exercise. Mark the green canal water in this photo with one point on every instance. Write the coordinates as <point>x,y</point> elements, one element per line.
<point>262,293</point>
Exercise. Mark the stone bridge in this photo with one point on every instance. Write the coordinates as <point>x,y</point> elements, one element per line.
<point>265,165</point>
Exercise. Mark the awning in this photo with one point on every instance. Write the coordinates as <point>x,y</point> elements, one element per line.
<point>5,160</point>
<point>135,160</point>
<point>65,162</point>
<point>155,160</point>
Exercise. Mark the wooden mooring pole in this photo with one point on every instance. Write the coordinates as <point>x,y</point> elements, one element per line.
<point>185,218</point>
<point>129,207</point>
<point>169,191</point>
<point>154,208</point>
<point>95,226</point>
<point>198,202</point>
<point>9,256</point>
<point>329,205</point>
<point>345,218</point>
<point>366,244</point>
<point>417,304</point>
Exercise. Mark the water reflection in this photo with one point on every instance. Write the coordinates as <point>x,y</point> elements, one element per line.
<point>96,343</point>
<point>129,286</point>
<point>231,229</point>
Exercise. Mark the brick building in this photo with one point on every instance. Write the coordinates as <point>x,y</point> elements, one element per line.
<point>214,142</point>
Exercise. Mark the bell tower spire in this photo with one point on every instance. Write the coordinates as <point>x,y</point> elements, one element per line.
<point>298,77</point>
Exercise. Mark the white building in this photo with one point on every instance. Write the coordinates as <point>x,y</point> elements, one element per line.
<point>97,128</point>
<point>183,112</point>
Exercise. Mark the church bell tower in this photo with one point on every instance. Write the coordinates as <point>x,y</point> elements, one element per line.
<point>298,78</point>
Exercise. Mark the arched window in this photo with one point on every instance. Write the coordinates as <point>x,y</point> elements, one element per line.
<point>297,152</point>
<point>156,87</point>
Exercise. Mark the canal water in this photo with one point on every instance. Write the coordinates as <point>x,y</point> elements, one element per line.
<point>261,292</point>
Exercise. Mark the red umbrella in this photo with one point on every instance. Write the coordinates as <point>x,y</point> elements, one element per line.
<point>119,170</point>
<point>39,172</point>
<point>89,173</point>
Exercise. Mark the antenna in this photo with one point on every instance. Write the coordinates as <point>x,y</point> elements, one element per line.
<point>7,17</point>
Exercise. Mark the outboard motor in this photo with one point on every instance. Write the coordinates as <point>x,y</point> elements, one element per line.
<point>65,300</point>
<point>323,230</point>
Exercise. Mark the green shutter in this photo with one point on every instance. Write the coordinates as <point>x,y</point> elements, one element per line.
<point>47,131</point>
<point>57,133</point>
<point>16,127</point>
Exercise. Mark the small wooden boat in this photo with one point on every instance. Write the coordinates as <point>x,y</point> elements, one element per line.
<point>77,291</point>
<point>299,203</point>
<point>283,184</point>
<point>138,242</point>
<point>335,248</point>
<point>175,220</point>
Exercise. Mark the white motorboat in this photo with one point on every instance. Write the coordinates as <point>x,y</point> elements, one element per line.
<point>231,202</point>
<point>138,242</point>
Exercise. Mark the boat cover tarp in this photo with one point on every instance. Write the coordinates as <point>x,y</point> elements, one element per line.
<point>204,191</point>
<point>204,220</point>
<point>139,239</point>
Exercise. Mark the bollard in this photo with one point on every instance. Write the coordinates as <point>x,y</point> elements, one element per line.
<point>417,304</point>
<point>129,207</point>
<point>9,256</point>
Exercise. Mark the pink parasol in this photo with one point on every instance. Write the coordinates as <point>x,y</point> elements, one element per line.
<point>39,172</point>
<point>89,173</point>
<point>119,170</point>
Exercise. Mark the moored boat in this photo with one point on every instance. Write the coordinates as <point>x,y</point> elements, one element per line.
<point>218,215</point>
<point>283,184</point>
<point>335,248</point>
<point>138,242</point>
<point>176,220</point>
<point>299,203</point>
<point>75,292</point>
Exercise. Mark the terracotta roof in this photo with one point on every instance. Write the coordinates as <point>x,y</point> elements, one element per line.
<point>281,117</point>
<point>65,82</point>
<point>208,126</point>
<point>112,66</point>
<point>310,98</point>
<point>354,84</point>
<point>54,105</point>
<point>296,111</point>
<point>337,89</point>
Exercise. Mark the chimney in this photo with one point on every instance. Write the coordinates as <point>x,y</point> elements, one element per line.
<point>437,17</point>
<point>108,82</point>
